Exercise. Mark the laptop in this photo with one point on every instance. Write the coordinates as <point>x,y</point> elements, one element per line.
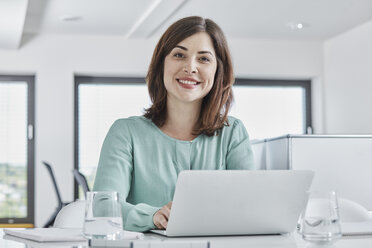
<point>236,202</point>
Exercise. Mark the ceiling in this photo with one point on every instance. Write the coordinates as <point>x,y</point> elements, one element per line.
<point>143,19</point>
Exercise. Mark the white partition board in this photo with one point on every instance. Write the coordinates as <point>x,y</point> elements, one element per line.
<point>277,154</point>
<point>259,155</point>
<point>343,164</point>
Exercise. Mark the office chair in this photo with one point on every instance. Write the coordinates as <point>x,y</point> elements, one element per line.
<point>71,216</point>
<point>82,181</point>
<point>59,199</point>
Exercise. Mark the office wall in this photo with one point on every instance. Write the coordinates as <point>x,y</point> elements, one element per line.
<point>348,82</point>
<point>55,59</point>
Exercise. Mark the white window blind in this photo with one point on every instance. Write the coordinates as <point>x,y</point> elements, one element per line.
<point>270,111</point>
<point>13,149</point>
<point>99,106</point>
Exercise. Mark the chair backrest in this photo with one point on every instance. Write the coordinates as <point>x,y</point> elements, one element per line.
<point>50,170</point>
<point>351,211</point>
<point>81,180</point>
<point>71,215</point>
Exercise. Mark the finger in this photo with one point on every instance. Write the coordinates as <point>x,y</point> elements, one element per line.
<point>156,219</point>
<point>158,224</point>
<point>166,212</point>
<point>163,222</point>
<point>161,219</point>
<point>168,206</point>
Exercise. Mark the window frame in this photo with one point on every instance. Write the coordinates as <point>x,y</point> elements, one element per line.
<point>305,84</point>
<point>30,218</point>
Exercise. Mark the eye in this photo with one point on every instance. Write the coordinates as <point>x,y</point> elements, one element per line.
<point>204,59</point>
<point>178,55</point>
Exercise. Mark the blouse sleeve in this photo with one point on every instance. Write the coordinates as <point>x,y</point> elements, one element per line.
<point>240,155</point>
<point>114,173</point>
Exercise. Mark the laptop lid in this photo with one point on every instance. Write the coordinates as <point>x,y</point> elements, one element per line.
<point>231,202</point>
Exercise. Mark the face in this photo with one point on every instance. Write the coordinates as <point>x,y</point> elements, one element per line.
<point>189,69</point>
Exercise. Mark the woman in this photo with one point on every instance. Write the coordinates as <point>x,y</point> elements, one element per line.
<point>187,128</point>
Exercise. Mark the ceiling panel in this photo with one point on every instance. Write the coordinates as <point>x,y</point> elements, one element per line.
<point>269,18</point>
<point>98,17</point>
<point>130,19</point>
<point>12,18</point>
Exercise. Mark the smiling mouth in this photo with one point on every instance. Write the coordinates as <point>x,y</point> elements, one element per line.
<point>187,82</point>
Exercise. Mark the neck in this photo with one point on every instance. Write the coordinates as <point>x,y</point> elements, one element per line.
<point>181,119</point>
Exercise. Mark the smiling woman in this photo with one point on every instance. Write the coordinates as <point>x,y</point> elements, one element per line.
<point>186,128</point>
<point>188,67</point>
<point>195,44</point>
<point>188,77</point>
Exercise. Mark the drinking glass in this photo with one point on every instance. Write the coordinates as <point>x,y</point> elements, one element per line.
<point>320,222</point>
<point>103,218</point>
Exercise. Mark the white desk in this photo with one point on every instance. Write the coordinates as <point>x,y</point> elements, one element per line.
<point>277,241</point>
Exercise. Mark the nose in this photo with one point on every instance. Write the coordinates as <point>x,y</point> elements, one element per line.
<point>190,66</point>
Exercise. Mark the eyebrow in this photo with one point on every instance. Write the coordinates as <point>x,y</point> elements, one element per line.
<point>200,52</point>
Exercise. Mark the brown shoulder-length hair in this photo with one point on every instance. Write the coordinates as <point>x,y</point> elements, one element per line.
<point>216,104</point>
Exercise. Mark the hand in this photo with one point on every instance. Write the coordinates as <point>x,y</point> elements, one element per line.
<point>161,217</point>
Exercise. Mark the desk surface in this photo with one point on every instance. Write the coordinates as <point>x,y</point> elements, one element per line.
<point>267,241</point>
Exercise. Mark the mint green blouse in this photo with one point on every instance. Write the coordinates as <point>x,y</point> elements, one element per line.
<point>142,163</point>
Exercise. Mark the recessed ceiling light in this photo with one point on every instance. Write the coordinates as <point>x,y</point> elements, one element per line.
<point>296,25</point>
<point>70,18</point>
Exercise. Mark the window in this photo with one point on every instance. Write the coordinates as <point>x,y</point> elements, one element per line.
<point>266,107</point>
<point>98,103</point>
<point>17,150</point>
<point>270,108</point>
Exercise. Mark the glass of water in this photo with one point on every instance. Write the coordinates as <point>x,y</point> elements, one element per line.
<point>320,222</point>
<point>103,218</point>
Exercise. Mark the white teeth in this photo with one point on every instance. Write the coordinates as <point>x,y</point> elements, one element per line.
<point>187,82</point>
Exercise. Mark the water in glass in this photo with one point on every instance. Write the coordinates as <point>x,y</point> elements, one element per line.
<point>319,222</point>
<point>103,227</point>
<point>103,218</point>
